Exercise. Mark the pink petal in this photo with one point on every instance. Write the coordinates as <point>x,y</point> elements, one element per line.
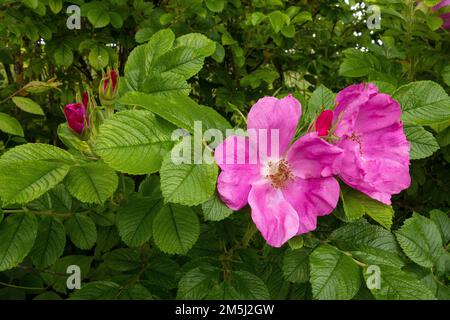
<point>280,114</point>
<point>348,102</point>
<point>312,198</point>
<point>274,217</point>
<point>238,170</point>
<point>312,157</point>
<point>234,186</point>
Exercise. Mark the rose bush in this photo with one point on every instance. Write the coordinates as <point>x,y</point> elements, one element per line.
<point>353,178</point>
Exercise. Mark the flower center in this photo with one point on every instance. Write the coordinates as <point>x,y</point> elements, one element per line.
<point>357,138</point>
<point>278,173</point>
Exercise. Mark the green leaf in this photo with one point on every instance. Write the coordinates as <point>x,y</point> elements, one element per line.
<point>57,277</point>
<point>162,272</point>
<point>358,64</point>
<point>434,22</point>
<point>215,5</point>
<point>122,259</point>
<point>98,17</point>
<point>334,275</point>
<point>368,243</point>
<point>398,285</point>
<point>17,234</point>
<point>196,283</point>
<point>28,105</point>
<point>356,203</point>
<point>135,292</point>
<point>135,219</point>
<point>423,103</point>
<point>175,229</point>
<point>98,57</point>
<point>133,141</point>
<point>215,210</point>
<point>187,56</point>
<point>421,240</point>
<point>423,143</point>
<point>446,75</point>
<point>140,62</point>
<point>30,170</point>
<point>50,242</point>
<point>187,184</point>
<point>81,230</point>
<point>278,20</point>
<point>97,290</point>
<point>321,99</point>
<point>10,125</point>
<point>116,20</point>
<point>442,221</point>
<point>178,109</point>
<point>248,286</point>
<point>93,182</point>
<point>63,55</point>
<point>296,265</point>
<point>55,5</point>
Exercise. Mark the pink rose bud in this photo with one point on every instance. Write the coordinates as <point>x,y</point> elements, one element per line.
<point>108,86</point>
<point>323,122</point>
<point>77,117</point>
<point>444,16</point>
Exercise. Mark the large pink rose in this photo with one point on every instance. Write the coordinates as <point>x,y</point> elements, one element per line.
<point>376,152</point>
<point>287,190</point>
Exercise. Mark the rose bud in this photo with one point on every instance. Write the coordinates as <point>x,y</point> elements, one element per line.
<point>108,87</point>
<point>323,122</point>
<point>77,117</point>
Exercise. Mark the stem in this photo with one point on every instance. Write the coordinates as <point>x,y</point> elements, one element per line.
<point>20,287</point>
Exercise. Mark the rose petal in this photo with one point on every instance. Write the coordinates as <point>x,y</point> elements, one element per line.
<point>274,217</point>
<point>270,113</point>
<point>312,157</point>
<point>312,198</point>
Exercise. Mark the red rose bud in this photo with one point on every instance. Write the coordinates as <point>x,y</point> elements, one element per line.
<point>77,117</point>
<point>446,15</point>
<point>323,122</point>
<point>108,87</point>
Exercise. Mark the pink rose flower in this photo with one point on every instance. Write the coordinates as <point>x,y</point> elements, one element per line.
<point>444,16</point>
<point>376,151</point>
<point>77,116</point>
<point>287,190</point>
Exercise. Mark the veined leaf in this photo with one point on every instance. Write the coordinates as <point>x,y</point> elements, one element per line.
<point>215,210</point>
<point>81,230</point>
<point>135,219</point>
<point>421,240</point>
<point>50,242</point>
<point>296,265</point>
<point>423,143</point>
<point>398,285</point>
<point>30,170</point>
<point>133,141</point>
<point>175,229</point>
<point>187,184</point>
<point>17,235</point>
<point>334,275</point>
<point>196,283</point>
<point>92,182</point>
<point>178,109</point>
<point>356,203</point>
<point>423,103</point>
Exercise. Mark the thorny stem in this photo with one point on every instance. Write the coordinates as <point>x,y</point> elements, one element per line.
<point>20,287</point>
